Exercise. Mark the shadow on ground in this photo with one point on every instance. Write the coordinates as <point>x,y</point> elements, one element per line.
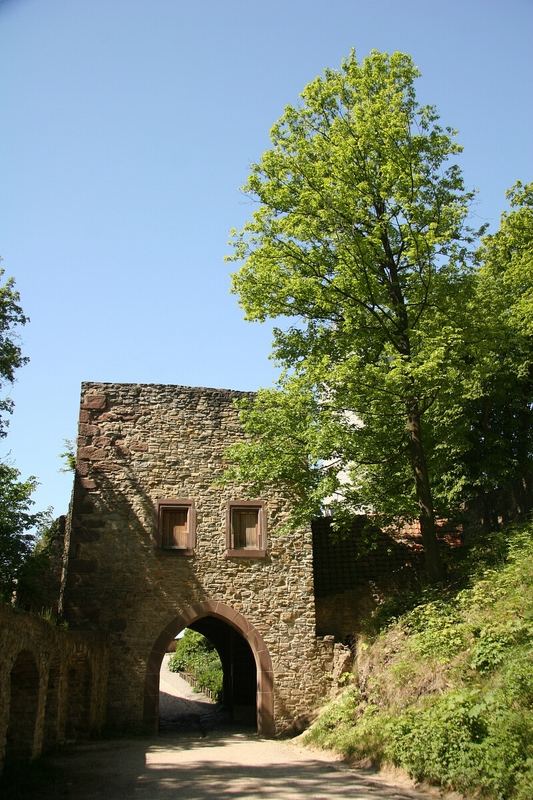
<point>181,715</point>
<point>186,767</point>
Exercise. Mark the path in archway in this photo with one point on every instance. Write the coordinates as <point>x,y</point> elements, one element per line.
<point>222,765</point>
<point>183,709</point>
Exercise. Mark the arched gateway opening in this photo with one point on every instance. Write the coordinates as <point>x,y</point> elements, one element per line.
<point>245,660</point>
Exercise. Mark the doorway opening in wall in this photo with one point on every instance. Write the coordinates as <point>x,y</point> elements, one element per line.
<point>207,680</point>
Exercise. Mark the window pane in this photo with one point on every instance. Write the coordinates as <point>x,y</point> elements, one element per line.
<point>245,525</point>
<point>175,528</point>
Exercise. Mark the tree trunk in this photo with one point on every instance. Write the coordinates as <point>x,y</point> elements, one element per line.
<point>434,564</point>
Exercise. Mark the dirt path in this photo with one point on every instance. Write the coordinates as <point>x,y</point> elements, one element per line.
<point>195,759</point>
<point>221,765</point>
<point>182,709</point>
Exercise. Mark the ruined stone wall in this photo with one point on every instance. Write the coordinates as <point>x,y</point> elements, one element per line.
<point>42,668</point>
<point>356,570</point>
<point>141,443</point>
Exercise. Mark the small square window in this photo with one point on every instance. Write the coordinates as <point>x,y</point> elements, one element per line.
<point>246,529</point>
<point>176,525</point>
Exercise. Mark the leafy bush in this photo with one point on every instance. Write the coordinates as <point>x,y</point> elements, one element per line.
<point>352,728</point>
<point>465,739</point>
<point>196,655</point>
<point>17,524</point>
<point>446,689</point>
<point>494,640</point>
<point>437,630</point>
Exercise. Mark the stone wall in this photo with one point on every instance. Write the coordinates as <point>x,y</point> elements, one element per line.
<point>355,571</point>
<point>142,443</point>
<point>52,685</point>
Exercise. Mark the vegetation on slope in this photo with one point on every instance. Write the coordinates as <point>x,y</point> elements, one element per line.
<point>196,655</point>
<point>445,690</point>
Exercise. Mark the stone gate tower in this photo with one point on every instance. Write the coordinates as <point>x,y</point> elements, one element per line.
<point>156,545</point>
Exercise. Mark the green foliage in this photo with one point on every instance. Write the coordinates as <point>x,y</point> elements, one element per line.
<point>494,640</point>
<point>195,654</point>
<point>16,519</point>
<point>464,740</point>
<point>496,415</point>
<point>68,456</point>
<point>507,262</point>
<point>359,244</point>
<point>39,576</point>
<point>406,372</point>
<point>446,689</point>
<point>351,727</point>
<point>436,630</point>
<point>11,357</point>
<point>17,527</point>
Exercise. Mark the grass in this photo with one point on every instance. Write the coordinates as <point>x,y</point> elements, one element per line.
<point>444,690</point>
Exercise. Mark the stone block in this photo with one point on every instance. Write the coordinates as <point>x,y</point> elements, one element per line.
<point>91,453</point>
<point>93,402</point>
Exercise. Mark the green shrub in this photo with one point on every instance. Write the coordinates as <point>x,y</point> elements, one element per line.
<point>342,713</point>
<point>447,688</point>
<point>464,740</point>
<point>493,642</point>
<point>436,630</point>
<point>516,678</point>
<point>352,728</point>
<point>196,655</point>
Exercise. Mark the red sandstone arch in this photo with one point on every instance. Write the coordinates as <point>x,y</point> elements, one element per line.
<point>263,663</point>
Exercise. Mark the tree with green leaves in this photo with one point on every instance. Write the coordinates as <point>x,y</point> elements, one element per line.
<point>500,414</point>
<point>481,423</point>
<point>11,358</point>
<point>506,273</point>
<point>359,243</point>
<point>16,519</point>
<point>17,523</point>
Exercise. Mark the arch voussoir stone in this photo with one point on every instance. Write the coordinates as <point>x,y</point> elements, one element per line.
<point>233,618</point>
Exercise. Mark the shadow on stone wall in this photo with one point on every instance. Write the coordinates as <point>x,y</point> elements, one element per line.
<point>355,571</point>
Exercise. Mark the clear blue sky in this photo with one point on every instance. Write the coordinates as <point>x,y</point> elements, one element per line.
<point>128,128</point>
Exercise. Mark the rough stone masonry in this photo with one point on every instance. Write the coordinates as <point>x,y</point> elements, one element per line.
<point>142,444</point>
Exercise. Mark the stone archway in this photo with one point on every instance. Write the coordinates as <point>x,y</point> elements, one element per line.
<point>223,612</point>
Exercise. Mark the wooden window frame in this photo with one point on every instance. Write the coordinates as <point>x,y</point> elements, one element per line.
<point>173,504</point>
<point>244,552</point>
